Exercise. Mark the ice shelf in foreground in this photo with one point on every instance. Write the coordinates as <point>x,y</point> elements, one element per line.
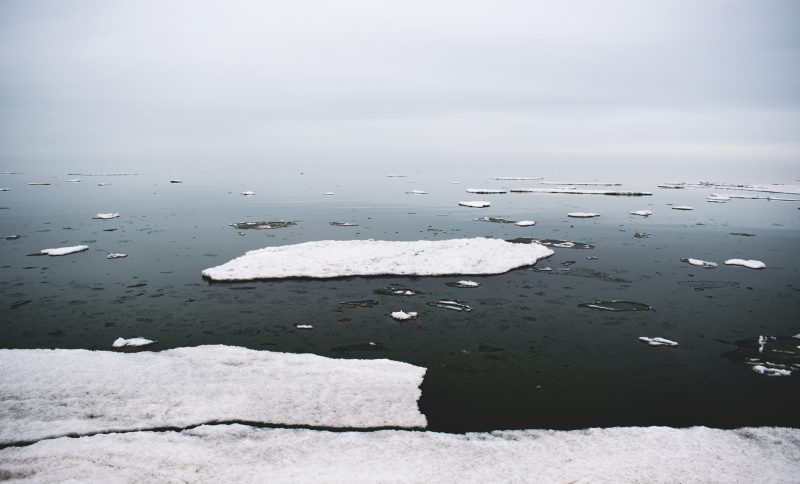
<point>47,393</point>
<point>346,258</point>
<point>239,453</point>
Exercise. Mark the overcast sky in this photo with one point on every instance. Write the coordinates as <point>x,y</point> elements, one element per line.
<point>149,84</point>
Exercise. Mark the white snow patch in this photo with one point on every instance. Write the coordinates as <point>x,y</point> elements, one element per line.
<point>48,393</point>
<point>106,216</point>
<point>116,256</point>
<point>583,214</point>
<point>343,258</point>
<point>402,315</point>
<point>657,341</point>
<point>64,250</point>
<point>752,264</point>
<point>525,223</point>
<point>248,193</point>
<point>120,342</point>
<point>243,454</point>
<point>701,263</point>
<point>642,213</point>
<point>475,204</point>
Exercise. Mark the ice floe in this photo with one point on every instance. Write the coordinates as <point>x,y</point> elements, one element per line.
<point>38,184</point>
<point>768,355</point>
<point>395,291</point>
<point>175,180</point>
<point>74,180</point>
<point>139,341</point>
<point>682,207</point>
<point>642,213</point>
<point>450,304</point>
<point>576,191</point>
<point>303,326</point>
<point>344,224</point>
<point>673,186</point>
<point>557,243</point>
<point>343,258</point>
<point>525,223</point>
<point>657,341</point>
<point>106,216</point>
<point>3,189</point>
<point>524,178</point>
<point>245,454</point>
<point>64,250</point>
<point>752,264</point>
<point>50,393</point>
<point>604,184</point>
<point>403,316</point>
<point>362,303</point>
<point>248,193</point>
<point>116,256</point>
<point>583,214</point>
<point>475,204</point>
<point>716,197</point>
<point>486,191</point>
<point>496,220</point>
<point>616,305</point>
<point>329,194</point>
<point>417,192</point>
<point>700,263</point>
<point>277,224</point>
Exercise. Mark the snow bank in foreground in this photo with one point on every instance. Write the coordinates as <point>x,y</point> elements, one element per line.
<point>343,258</point>
<point>237,453</point>
<point>46,393</point>
<point>64,250</point>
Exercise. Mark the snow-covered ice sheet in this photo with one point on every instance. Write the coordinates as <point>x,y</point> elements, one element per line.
<point>46,393</point>
<point>344,258</point>
<point>238,453</point>
<point>64,250</point>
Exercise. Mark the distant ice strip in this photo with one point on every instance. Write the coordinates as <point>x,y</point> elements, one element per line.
<point>475,204</point>
<point>598,184</point>
<point>48,393</point>
<point>575,191</point>
<point>486,191</point>
<point>518,178</point>
<point>583,214</point>
<point>239,453</point>
<point>64,250</point>
<point>346,258</point>
<point>700,263</point>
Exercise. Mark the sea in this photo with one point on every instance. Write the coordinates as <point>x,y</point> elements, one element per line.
<point>525,349</point>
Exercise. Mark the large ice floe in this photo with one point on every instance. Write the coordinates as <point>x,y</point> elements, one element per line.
<point>752,264</point>
<point>240,453</point>
<point>347,258</point>
<point>64,250</point>
<point>50,393</point>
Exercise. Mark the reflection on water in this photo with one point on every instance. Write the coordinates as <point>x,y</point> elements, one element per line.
<point>526,355</point>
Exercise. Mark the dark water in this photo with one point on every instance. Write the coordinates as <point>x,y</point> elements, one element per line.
<point>526,355</point>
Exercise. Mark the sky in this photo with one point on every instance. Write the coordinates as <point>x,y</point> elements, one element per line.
<point>639,85</point>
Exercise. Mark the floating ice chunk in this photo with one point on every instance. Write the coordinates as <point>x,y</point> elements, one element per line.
<point>12,237</point>
<point>450,304</point>
<point>769,371</point>
<point>560,244</point>
<point>463,284</point>
<point>576,191</point>
<point>64,250</point>
<point>657,341</point>
<point>642,213</point>
<point>475,204</point>
<point>752,264</point>
<point>344,224</point>
<point>783,199</point>
<point>700,263</point>
<point>394,291</point>
<point>248,193</point>
<point>403,316</point>
<point>48,393</point>
<point>583,214</point>
<point>116,256</point>
<point>364,303</point>
<point>103,184</point>
<point>3,189</point>
<point>673,186</point>
<point>38,184</point>
<point>329,194</point>
<point>238,453</point>
<point>716,197</point>
<point>121,342</point>
<point>486,191</point>
<point>454,183</point>
<point>516,178</point>
<point>417,192</point>
<point>74,180</point>
<point>762,342</point>
<point>525,223</point>
<point>605,184</point>
<point>682,207</point>
<point>616,305</point>
<point>278,224</point>
<point>343,258</point>
<point>176,181</point>
<point>303,326</point>
<point>106,216</point>
<point>496,220</point>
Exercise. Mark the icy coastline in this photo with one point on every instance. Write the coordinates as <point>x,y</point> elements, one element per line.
<point>345,258</point>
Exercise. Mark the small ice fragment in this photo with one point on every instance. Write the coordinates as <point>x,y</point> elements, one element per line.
<point>120,342</point>
<point>106,216</point>
<point>116,256</point>
<point>402,315</point>
<point>700,263</point>
<point>74,180</point>
<point>486,191</point>
<point>682,207</point>
<point>617,305</point>
<point>417,192</point>
<point>475,204</point>
<point>64,250</point>
<point>12,237</point>
<point>38,183</point>
<point>752,264</point>
<point>176,181</point>
<point>657,341</point>
<point>762,342</point>
<point>543,269</point>
<point>716,197</point>
<point>765,370</point>
<point>525,223</point>
<point>3,189</point>
<point>454,182</point>
<point>303,326</point>
<point>328,194</point>
<point>248,193</point>
<point>450,304</point>
<point>583,214</point>
<point>103,184</point>
<point>463,284</point>
<point>344,224</point>
<point>643,213</point>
